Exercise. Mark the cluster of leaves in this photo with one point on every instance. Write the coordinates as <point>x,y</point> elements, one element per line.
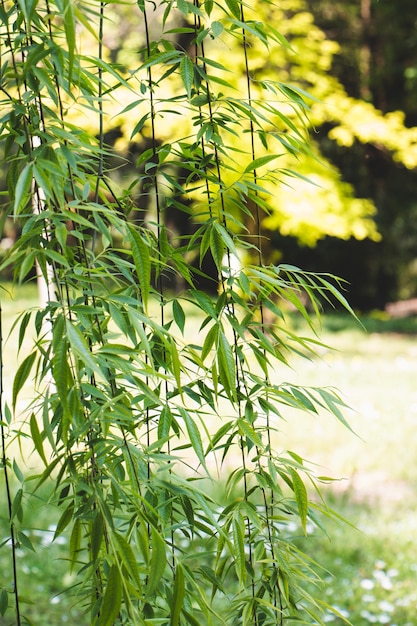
<point>131,420</point>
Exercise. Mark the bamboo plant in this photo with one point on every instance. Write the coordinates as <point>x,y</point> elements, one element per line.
<point>156,409</point>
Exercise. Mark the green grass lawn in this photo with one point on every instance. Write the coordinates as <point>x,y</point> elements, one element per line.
<point>372,568</point>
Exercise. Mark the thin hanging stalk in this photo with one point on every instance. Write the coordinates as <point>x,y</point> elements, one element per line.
<point>160,287</point>
<point>268,506</point>
<point>5,465</point>
<point>240,378</point>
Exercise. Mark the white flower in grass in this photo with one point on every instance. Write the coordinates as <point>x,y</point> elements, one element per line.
<point>386,606</point>
<point>392,572</point>
<point>367,583</point>
<point>368,597</point>
<point>383,579</point>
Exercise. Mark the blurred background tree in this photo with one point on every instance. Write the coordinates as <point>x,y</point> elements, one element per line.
<point>377,65</point>
<point>358,61</point>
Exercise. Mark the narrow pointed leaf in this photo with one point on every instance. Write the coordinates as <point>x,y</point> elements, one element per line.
<point>69,27</point>
<point>195,437</point>
<point>22,328</point>
<point>142,261</point>
<point>301,498</point>
<point>179,315</point>
<point>234,8</point>
<point>264,160</point>
<point>22,375</point>
<point>37,438</point>
<point>75,543</point>
<point>112,599</point>
<point>158,562</point>
<point>226,363</point>
<point>239,548</point>
<point>80,346</point>
<point>187,74</point>
<point>217,247</point>
<point>97,535</point>
<point>22,189</point>
<point>178,595</point>
<point>64,520</point>
<point>4,601</point>
<point>128,558</point>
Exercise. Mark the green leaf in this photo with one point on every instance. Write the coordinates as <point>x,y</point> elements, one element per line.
<point>226,364</point>
<point>217,247</point>
<point>175,363</point>
<point>107,67</point>
<point>300,493</point>
<point>250,432</point>
<point>7,414</point>
<point>56,258</point>
<point>22,328</point>
<point>238,526</point>
<point>205,303</point>
<point>64,520</point>
<point>22,189</point>
<point>80,346</point>
<point>97,534</point>
<point>218,436</point>
<point>17,504</point>
<point>227,239</point>
<point>158,562</point>
<point>112,599</point>
<point>60,369</point>
<point>179,315</point>
<point>18,472</point>
<point>211,576</point>
<point>75,543</point>
<point>118,316</point>
<point>187,74</point>
<point>37,438</point>
<point>332,402</point>
<point>69,27</point>
<point>257,163</point>
<point>25,541</point>
<point>164,422</point>
<point>234,7</point>
<point>177,596</point>
<point>142,261</point>
<point>217,29</point>
<point>194,435</point>
<point>128,558</point>
<point>305,402</point>
<point>4,601</point>
<point>210,340</point>
<point>22,375</point>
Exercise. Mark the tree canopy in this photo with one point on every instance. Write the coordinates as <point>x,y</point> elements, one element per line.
<point>306,59</point>
<point>356,61</point>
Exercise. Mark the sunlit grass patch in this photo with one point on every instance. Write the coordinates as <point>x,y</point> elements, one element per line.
<point>373,577</point>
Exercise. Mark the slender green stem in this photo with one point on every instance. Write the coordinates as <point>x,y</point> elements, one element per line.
<point>5,465</point>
